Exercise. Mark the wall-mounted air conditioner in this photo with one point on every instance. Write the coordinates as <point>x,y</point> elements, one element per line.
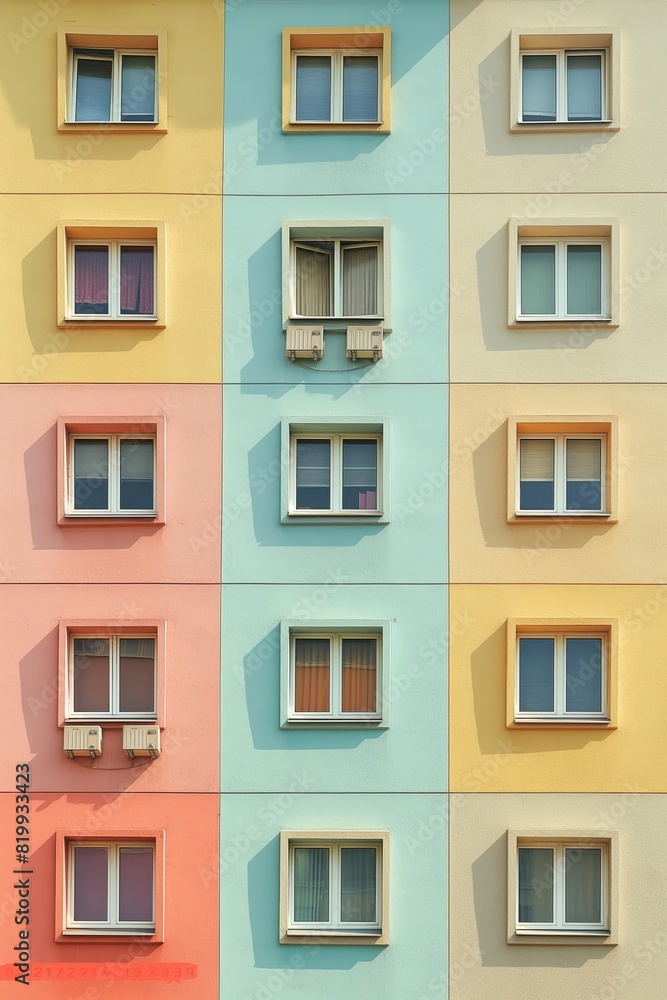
<point>83,741</point>
<point>364,342</point>
<point>141,741</point>
<point>304,342</point>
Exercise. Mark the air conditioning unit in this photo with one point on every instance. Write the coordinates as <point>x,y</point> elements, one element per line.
<point>364,342</point>
<point>141,741</point>
<point>304,342</point>
<point>83,741</point>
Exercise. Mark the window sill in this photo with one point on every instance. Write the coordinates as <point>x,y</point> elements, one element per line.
<point>293,723</point>
<point>590,126</point>
<point>88,936</point>
<point>93,720</point>
<point>564,323</point>
<point>563,518</point>
<point>606,724</point>
<point>377,127</point>
<point>561,937</point>
<point>302,518</point>
<point>137,127</point>
<point>97,520</point>
<point>301,936</point>
<point>108,323</point>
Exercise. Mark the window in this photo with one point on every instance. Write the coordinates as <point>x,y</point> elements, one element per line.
<point>111,81</point>
<point>564,80</point>
<point>336,474</point>
<point>335,676</point>
<point>112,676</point>
<point>562,884</point>
<point>110,885</point>
<point>334,886</point>
<point>111,275</point>
<point>336,78</point>
<point>111,470</point>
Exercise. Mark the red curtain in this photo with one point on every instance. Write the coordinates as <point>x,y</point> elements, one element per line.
<point>91,278</point>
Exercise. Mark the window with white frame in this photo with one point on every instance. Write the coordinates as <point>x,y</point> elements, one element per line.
<point>113,85</point>
<point>561,473</point>
<point>335,677</point>
<point>336,85</point>
<point>111,279</point>
<point>110,887</point>
<point>111,474</point>
<point>564,85</point>
<point>561,676</point>
<point>112,676</point>
<point>562,886</point>
<point>336,277</point>
<point>335,887</point>
<point>563,278</point>
<point>335,473</point>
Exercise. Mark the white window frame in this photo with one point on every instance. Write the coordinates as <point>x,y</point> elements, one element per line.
<point>560,267</point>
<point>114,247</point>
<point>336,484</point>
<point>560,480</point>
<point>560,714</point>
<point>114,676</point>
<point>335,713</point>
<point>114,441</point>
<point>336,275</point>
<point>336,92</point>
<point>559,925</point>
<point>562,55</point>
<point>115,57</point>
<point>335,924</point>
<point>113,924</point>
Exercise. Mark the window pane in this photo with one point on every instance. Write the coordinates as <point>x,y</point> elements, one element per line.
<point>584,280</point>
<point>313,280</point>
<point>357,885</point>
<point>311,884</point>
<point>91,885</point>
<point>137,101</point>
<point>359,675</point>
<point>136,475</point>
<point>539,88</point>
<point>93,90</point>
<point>360,472</point>
<point>360,281</point>
<point>312,659</point>
<point>313,475</point>
<point>536,878</point>
<point>137,675</point>
<point>584,88</point>
<point>137,281</point>
<point>91,475</point>
<point>584,474</point>
<point>538,281</point>
<point>583,675</point>
<point>360,89</point>
<point>536,674</point>
<point>135,884</point>
<point>91,280</point>
<point>583,884</point>
<point>313,88</point>
<point>91,675</point>
<point>536,484</point>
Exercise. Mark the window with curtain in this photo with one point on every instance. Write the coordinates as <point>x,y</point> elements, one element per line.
<point>563,86</point>
<point>562,886</point>
<point>111,886</point>
<point>335,87</point>
<point>112,676</point>
<point>113,474</point>
<point>335,474</point>
<point>113,279</point>
<point>113,86</point>
<point>561,676</point>
<point>335,886</point>
<point>561,474</point>
<point>335,677</point>
<point>336,277</point>
<point>560,279</point>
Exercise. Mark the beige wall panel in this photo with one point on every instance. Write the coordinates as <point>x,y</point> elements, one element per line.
<point>485,548</point>
<point>487,157</point>
<point>484,965</point>
<point>485,349</point>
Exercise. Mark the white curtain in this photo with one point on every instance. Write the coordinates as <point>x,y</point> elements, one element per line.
<point>583,878</point>
<point>360,280</point>
<point>538,84</point>
<point>311,884</point>
<point>584,280</point>
<point>313,281</point>
<point>538,280</point>
<point>536,879</point>
<point>358,867</point>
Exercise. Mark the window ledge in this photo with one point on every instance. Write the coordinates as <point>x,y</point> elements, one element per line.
<point>606,724</point>
<point>141,127</point>
<point>300,936</point>
<point>550,324</point>
<point>86,935</point>
<point>334,724</point>
<point>97,520</point>
<point>568,518</point>
<point>542,937</point>
<point>109,324</point>
<point>377,127</point>
<point>358,519</point>
<point>590,126</point>
<point>111,723</point>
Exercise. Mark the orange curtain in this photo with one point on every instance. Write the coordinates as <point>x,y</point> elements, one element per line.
<point>311,675</point>
<point>359,675</point>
